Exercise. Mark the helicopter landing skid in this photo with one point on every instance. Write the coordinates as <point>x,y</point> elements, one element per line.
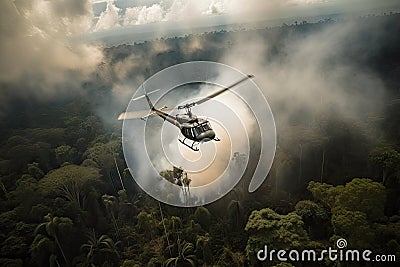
<point>192,147</point>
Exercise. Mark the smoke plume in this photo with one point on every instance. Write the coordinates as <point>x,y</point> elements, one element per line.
<point>38,58</point>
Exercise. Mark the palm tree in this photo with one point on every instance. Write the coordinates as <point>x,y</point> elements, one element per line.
<point>203,248</point>
<point>111,203</point>
<point>184,257</point>
<point>52,229</point>
<point>102,245</point>
<point>176,225</point>
<point>147,223</point>
<point>53,261</point>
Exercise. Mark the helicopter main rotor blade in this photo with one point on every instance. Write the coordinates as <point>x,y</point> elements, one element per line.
<point>201,101</point>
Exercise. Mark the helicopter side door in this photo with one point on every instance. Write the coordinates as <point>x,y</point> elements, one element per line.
<point>189,132</point>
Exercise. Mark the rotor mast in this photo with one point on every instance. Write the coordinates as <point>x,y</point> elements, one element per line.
<point>188,108</point>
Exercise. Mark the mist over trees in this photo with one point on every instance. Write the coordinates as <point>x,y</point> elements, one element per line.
<point>67,198</point>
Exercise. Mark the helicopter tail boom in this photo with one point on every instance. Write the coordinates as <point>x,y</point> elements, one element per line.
<point>149,102</point>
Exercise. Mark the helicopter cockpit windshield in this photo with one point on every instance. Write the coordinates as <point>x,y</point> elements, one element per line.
<point>205,126</point>
<point>202,128</point>
<point>197,130</point>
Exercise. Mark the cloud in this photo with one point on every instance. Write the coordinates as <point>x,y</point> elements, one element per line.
<point>109,18</point>
<point>38,59</point>
<point>168,10</point>
<point>216,8</point>
<point>178,10</point>
<point>185,10</point>
<point>165,11</point>
<point>143,15</point>
<point>233,11</point>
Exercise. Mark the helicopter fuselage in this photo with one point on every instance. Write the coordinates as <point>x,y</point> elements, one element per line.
<point>191,127</point>
<point>197,130</point>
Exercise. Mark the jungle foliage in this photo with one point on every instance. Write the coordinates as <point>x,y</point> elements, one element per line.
<point>64,202</point>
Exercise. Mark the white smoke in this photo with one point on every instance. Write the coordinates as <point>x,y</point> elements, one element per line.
<point>310,78</point>
<point>307,80</point>
<point>37,56</point>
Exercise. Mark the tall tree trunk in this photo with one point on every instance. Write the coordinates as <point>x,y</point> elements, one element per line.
<point>384,175</point>
<point>62,251</point>
<point>301,166</point>
<point>276,181</point>
<point>119,174</point>
<point>115,224</point>
<point>165,229</point>
<point>323,164</point>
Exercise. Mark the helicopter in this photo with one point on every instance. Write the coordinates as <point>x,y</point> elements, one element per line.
<point>193,128</point>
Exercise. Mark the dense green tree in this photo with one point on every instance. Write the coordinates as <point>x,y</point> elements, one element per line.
<point>387,159</point>
<point>363,195</point>
<point>41,249</point>
<point>25,196</point>
<point>185,256</point>
<point>65,153</point>
<point>54,227</point>
<point>315,217</point>
<point>353,207</point>
<point>203,248</point>
<point>324,193</point>
<point>147,224</point>
<point>78,180</point>
<point>229,258</point>
<point>203,217</point>
<point>353,226</point>
<point>53,136</point>
<point>44,156</point>
<point>103,153</point>
<point>310,210</point>
<point>35,171</point>
<point>20,155</point>
<point>266,227</point>
<point>14,246</point>
<point>360,194</point>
